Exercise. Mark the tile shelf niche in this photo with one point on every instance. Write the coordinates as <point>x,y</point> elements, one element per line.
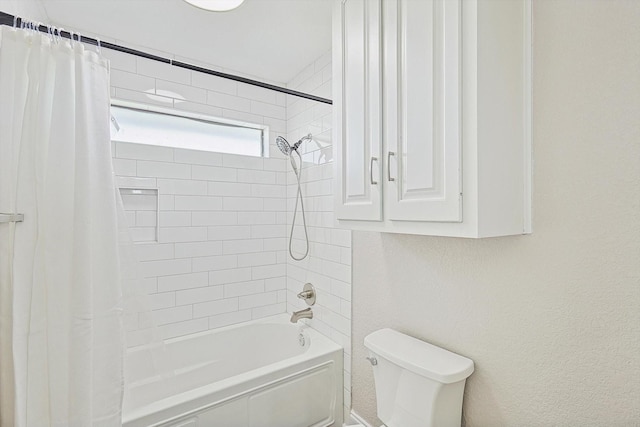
<point>142,209</point>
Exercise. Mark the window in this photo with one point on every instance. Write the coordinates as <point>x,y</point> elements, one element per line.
<point>169,130</point>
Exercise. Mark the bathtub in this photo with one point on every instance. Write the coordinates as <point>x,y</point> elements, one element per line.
<point>265,373</point>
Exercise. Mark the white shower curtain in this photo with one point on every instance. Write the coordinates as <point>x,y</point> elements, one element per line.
<point>61,338</point>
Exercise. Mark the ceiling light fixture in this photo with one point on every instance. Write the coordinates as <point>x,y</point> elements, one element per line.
<point>216,5</point>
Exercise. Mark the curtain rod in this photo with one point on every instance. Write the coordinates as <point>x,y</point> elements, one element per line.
<point>8,19</point>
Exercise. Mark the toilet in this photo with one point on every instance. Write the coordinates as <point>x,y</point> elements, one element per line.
<point>417,384</point>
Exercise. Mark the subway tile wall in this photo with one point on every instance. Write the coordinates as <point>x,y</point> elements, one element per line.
<point>222,253</point>
<point>219,257</point>
<point>328,266</point>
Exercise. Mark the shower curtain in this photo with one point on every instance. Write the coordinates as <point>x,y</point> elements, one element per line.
<point>61,337</point>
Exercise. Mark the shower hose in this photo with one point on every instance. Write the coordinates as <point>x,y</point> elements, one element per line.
<point>298,173</point>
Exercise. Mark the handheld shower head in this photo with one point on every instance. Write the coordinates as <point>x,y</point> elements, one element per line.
<point>286,148</point>
<point>283,145</point>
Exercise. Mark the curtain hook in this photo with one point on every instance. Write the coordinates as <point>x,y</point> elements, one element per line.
<point>99,46</point>
<point>15,21</point>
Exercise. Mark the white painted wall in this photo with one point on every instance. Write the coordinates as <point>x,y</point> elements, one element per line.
<point>28,9</point>
<point>328,266</point>
<point>552,320</point>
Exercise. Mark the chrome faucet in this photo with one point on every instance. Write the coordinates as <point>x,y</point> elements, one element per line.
<point>308,294</point>
<point>302,314</point>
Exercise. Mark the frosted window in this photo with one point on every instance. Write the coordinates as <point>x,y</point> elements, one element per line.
<point>151,128</point>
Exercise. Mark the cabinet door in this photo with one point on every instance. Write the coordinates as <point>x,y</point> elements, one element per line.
<point>422,109</point>
<point>357,108</point>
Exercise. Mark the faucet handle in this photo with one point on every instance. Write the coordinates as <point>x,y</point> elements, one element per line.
<point>305,294</point>
<point>308,294</point>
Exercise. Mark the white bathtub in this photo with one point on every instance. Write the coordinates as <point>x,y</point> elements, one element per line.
<point>256,374</point>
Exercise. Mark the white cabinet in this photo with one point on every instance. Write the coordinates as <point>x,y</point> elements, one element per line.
<point>432,116</point>
<point>357,41</point>
<point>422,100</point>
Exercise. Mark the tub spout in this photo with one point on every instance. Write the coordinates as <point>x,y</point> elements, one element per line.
<point>302,314</point>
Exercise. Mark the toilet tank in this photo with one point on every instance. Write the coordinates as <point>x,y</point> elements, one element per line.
<point>417,384</point>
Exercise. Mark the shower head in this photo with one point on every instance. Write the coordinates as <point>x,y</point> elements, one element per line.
<point>283,145</point>
<point>286,148</point>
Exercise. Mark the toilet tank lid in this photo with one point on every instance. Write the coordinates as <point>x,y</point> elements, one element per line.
<point>418,356</point>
